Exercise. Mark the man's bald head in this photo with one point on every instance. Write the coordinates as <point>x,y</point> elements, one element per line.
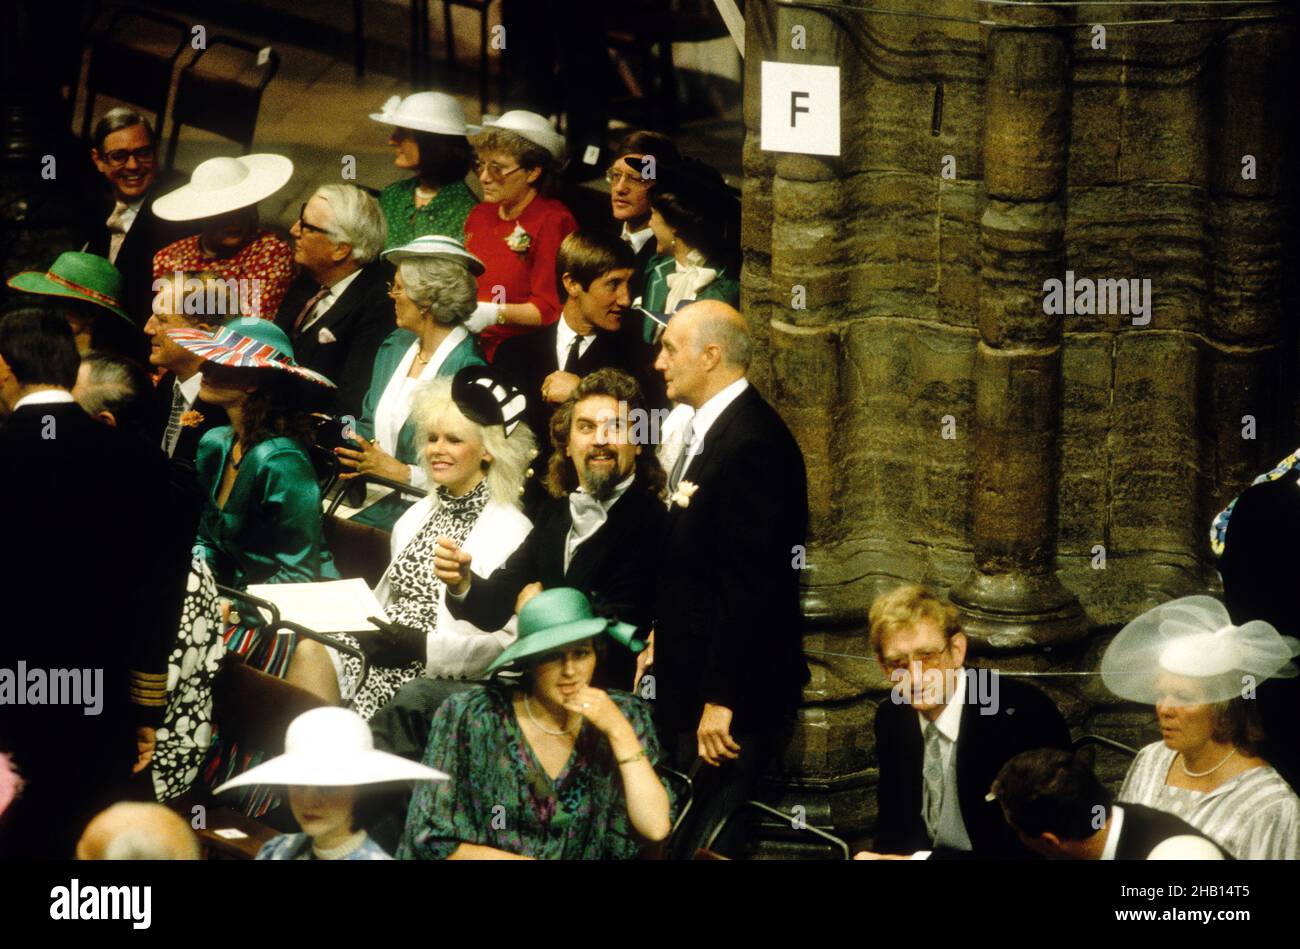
<point>706,347</point>
<point>131,831</point>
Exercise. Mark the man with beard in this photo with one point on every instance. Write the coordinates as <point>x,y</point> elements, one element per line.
<point>597,532</point>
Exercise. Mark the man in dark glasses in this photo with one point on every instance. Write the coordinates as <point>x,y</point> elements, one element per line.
<point>122,227</point>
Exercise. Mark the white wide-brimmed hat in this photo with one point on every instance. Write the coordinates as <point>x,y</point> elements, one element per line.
<point>435,246</point>
<point>1185,847</point>
<point>434,112</point>
<point>220,185</point>
<point>331,747</point>
<point>1194,638</point>
<point>536,128</point>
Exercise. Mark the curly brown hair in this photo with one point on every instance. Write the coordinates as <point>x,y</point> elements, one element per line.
<point>561,476</point>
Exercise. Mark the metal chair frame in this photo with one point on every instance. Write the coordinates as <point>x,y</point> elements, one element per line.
<point>784,818</point>
<point>110,51</point>
<point>192,87</point>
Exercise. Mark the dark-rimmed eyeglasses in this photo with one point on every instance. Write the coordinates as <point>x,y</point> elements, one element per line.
<point>303,225</point>
<point>495,171</point>
<point>120,156</point>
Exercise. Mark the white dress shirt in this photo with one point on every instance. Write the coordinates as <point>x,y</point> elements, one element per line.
<point>702,420</point>
<point>324,303</point>
<point>1112,833</point>
<point>564,337</point>
<point>951,829</point>
<point>637,238</point>
<point>394,406</point>
<point>45,397</point>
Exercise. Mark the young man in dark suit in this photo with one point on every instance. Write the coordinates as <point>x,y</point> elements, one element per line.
<point>727,648</point>
<point>179,418</point>
<point>1059,810</point>
<point>82,548</point>
<point>122,226</point>
<point>339,312</point>
<point>598,532</point>
<point>945,731</point>
<point>592,271</point>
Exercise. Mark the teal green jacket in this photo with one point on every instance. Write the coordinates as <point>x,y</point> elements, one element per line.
<point>390,354</point>
<point>655,296</point>
<point>270,529</point>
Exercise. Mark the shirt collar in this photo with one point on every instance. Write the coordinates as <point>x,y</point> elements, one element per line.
<point>45,397</point>
<point>337,288</point>
<point>708,413</point>
<point>1112,833</point>
<point>637,238</point>
<point>190,387</point>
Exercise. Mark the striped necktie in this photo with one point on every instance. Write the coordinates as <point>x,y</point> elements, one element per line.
<point>173,433</point>
<point>932,775</point>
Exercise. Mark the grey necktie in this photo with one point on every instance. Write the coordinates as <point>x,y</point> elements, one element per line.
<point>173,433</point>
<point>932,779</point>
<point>679,466</point>
<point>588,515</point>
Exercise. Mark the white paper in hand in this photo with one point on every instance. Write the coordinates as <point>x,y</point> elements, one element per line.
<point>332,606</point>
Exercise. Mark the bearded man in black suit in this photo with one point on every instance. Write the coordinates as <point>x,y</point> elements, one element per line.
<point>72,598</point>
<point>123,227</point>
<point>727,649</point>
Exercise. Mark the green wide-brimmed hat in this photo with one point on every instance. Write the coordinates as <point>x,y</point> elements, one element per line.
<point>557,617</point>
<point>80,276</point>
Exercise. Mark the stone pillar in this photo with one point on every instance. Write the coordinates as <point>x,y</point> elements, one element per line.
<point>1013,598</point>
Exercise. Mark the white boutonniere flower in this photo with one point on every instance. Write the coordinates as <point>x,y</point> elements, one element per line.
<point>682,496</point>
<point>519,240</point>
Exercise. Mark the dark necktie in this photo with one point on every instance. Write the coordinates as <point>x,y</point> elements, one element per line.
<point>310,305</point>
<point>173,432</point>
<point>683,456</point>
<point>571,360</point>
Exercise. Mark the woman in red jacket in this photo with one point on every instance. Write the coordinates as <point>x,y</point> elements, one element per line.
<point>516,230</point>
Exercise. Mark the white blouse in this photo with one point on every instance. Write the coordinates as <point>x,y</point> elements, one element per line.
<point>394,406</point>
<point>1254,816</point>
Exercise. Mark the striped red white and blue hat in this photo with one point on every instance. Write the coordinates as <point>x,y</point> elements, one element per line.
<point>247,344</point>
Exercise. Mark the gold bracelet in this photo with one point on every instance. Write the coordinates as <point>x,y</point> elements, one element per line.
<point>501,314</point>
<point>630,758</point>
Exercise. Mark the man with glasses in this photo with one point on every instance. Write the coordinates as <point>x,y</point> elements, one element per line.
<point>123,227</point>
<point>630,177</point>
<point>338,312</point>
<point>944,733</point>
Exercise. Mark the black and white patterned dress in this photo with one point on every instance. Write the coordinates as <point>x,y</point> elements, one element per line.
<point>414,596</point>
<point>183,739</point>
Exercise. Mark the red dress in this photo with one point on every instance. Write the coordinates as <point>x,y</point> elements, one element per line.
<point>527,276</point>
<point>264,269</point>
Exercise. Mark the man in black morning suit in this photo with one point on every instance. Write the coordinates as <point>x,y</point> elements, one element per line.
<point>592,273</point>
<point>121,225</point>
<point>727,652</point>
<point>598,531</point>
<point>80,521</point>
<point>1060,810</point>
<point>338,312</point>
<point>945,731</point>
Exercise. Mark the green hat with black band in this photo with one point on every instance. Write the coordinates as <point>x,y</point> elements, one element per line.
<point>558,617</point>
<point>78,276</point>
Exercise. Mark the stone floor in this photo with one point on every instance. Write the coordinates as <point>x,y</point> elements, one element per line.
<point>315,110</point>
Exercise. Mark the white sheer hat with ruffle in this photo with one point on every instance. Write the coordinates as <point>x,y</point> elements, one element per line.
<point>1193,638</point>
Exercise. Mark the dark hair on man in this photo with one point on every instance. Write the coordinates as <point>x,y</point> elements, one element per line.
<point>114,120</point>
<point>1049,791</point>
<point>38,346</point>
<point>561,475</point>
<point>643,142</point>
<point>444,159</point>
<point>588,255</point>
<point>118,385</point>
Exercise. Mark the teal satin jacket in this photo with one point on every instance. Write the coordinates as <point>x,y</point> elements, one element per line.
<point>270,529</point>
<point>655,297</point>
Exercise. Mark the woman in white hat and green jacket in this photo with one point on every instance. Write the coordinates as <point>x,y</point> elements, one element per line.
<point>548,768</point>
<point>331,770</point>
<point>433,292</point>
<point>428,138</point>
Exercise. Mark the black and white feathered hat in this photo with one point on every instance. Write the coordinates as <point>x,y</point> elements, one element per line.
<point>484,396</point>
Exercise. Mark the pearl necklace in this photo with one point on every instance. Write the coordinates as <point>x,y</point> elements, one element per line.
<point>1201,774</point>
<point>564,731</point>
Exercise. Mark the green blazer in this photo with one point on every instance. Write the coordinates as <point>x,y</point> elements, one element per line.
<point>390,354</point>
<point>270,529</point>
<point>724,287</point>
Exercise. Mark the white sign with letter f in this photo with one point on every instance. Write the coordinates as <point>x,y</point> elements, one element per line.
<point>801,109</point>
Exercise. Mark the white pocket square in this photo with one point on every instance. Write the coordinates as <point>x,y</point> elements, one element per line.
<point>325,336</point>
